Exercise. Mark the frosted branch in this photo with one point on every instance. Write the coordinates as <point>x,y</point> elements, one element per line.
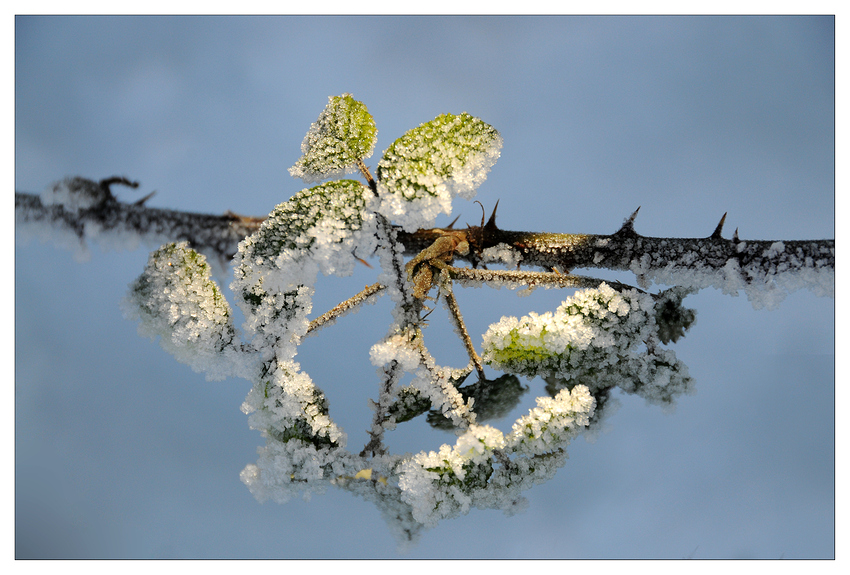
<point>68,221</point>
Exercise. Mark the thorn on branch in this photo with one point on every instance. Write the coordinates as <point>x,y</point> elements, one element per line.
<point>628,228</point>
<point>719,228</point>
<point>141,202</point>
<point>490,226</point>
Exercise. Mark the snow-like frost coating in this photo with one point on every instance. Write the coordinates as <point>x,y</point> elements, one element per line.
<point>423,170</point>
<point>395,348</point>
<point>317,230</point>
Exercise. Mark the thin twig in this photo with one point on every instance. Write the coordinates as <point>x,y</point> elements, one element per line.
<point>454,309</point>
<point>528,280</point>
<point>346,306</point>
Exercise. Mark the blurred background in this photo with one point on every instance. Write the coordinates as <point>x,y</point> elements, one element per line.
<point>121,452</point>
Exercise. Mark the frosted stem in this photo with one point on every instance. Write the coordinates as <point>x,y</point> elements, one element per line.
<point>343,308</point>
<point>454,308</point>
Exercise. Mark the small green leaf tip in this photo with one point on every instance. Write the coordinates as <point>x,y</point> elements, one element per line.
<point>423,170</point>
<point>344,134</point>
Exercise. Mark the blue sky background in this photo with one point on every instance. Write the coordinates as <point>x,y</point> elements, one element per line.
<point>122,452</point>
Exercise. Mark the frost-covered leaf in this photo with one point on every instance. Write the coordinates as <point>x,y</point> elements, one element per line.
<point>288,406</point>
<point>444,484</point>
<point>423,170</point>
<point>344,133</point>
<point>304,448</point>
<point>447,483</point>
<point>294,468</point>
<point>596,338</point>
<point>315,230</point>
<point>586,328</point>
<point>176,299</point>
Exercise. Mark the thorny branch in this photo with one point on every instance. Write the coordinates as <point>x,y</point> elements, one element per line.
<point>627,250</point>
<point>219,235</point>
<point>104,215</point>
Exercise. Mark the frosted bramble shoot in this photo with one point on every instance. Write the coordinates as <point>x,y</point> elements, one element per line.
<point>604,337</point>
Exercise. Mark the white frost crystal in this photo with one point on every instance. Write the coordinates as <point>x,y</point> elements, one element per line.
<point>553,423</point>
<point>176,299</point>
<point>344,133</point>
<point>423,170</point>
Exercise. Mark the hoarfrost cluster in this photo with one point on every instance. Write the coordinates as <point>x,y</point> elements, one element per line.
<point>599,338</point>
<point>176,300</point>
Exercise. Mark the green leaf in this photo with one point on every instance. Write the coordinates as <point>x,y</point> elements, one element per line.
<point>344,133</point>
<point>421,171</point>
